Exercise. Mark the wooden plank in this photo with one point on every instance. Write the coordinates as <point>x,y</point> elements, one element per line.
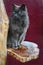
<point>24,54</point>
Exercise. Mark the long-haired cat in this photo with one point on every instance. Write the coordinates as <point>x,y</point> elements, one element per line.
<point>18,26</point>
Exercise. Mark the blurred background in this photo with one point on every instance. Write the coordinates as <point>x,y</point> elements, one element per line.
<point>35,30</point>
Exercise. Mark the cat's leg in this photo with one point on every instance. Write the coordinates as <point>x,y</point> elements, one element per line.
<point>22,37</point>
<point>9,45</point>
<point>14,43</point>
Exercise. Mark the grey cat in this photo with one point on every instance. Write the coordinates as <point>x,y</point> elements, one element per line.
<point>18,26</point>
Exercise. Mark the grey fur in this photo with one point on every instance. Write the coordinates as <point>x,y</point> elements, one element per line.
<point>18,26</point>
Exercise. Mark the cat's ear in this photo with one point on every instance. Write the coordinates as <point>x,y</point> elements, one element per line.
<point>22,7</point>
<point>13,7</point>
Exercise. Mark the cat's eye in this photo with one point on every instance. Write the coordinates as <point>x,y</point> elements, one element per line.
<point>19,12</point>
<point>13,12</point>
<point>21,15</point>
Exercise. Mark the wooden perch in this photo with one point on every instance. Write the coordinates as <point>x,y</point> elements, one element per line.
<point>25,53</point>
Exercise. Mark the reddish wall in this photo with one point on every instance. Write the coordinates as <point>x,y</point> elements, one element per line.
<point>35,31</point>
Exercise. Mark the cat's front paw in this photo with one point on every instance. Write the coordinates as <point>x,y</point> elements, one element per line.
<point>16,47</point>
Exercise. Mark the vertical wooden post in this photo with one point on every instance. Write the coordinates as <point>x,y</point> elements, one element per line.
<point>4,24</point>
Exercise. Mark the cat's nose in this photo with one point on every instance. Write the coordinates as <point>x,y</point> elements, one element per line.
<point>16,16</point>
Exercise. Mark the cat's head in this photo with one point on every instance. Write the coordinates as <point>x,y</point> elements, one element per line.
<point>17,7</point>
<point>19,15</point>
